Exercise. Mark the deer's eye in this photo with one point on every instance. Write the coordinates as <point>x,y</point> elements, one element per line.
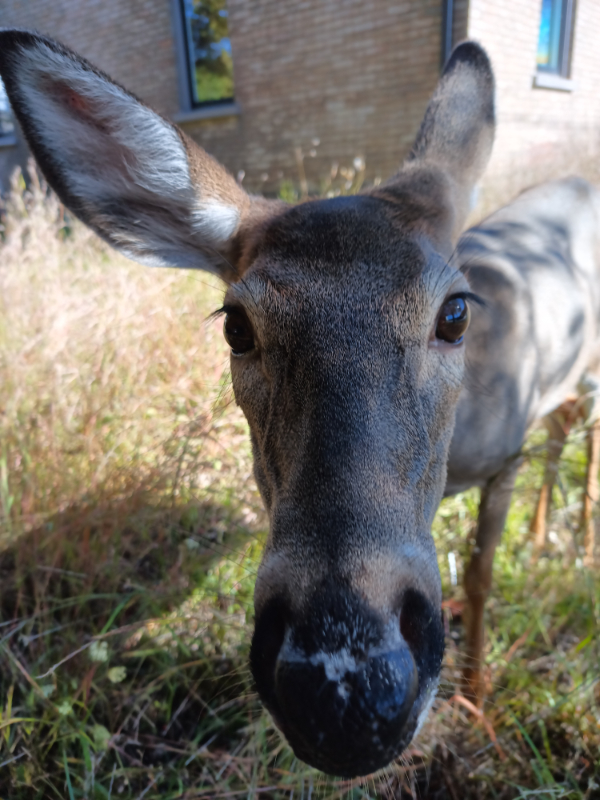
<point>238,332</point>
<point>453,320</point>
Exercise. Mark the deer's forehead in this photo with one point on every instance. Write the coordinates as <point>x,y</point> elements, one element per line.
<point>335,255</point>
<point>339,238</point>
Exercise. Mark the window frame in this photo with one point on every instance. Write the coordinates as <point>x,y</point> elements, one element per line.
<point>559,77</point>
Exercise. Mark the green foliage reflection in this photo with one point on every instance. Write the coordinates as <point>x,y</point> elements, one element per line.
<point>210,49</point>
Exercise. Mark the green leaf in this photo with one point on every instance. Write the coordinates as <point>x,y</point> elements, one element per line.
<point>101,736</point>
<point>117,674</point>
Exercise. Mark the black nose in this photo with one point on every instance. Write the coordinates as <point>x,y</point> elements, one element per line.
<point>342,683</point>
<point>346,718</point>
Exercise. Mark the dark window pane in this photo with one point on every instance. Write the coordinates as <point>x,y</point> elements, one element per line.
<point>6,120</point>
<point>209,49</point>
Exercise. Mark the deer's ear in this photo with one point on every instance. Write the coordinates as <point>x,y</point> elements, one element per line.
<point>455,139</point>
<point>129,174</point>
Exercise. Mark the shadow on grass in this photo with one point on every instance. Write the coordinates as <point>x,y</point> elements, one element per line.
<point>124,633</point>
<point>123,645</point>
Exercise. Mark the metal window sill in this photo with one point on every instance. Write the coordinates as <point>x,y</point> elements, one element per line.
<point>549,80</point>
<point>8,141</point>
<point>208,112</point>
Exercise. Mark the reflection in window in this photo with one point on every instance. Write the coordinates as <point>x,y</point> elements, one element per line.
<point>209,50</point>
<point>553,51</point>
<point>7,125</point>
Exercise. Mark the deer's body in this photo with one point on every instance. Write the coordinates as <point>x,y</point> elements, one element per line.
<point>536,265</point>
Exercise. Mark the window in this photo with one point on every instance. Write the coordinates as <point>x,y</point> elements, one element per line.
<point>554,43</point>
<point>208,50</point>
<point>7,125</point>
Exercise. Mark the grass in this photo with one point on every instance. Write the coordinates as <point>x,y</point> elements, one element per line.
<point>130,532</point>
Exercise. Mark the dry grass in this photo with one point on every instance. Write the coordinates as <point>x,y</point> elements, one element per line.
<point>130,531</point>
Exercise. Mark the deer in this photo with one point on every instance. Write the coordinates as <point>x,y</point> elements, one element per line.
<point>352,328</point>
<point>531,352</point>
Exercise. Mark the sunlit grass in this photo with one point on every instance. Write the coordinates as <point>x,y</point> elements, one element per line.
<point>130,533</point>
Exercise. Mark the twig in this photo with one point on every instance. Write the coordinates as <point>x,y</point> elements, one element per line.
<point>150,785</point>
<point>249,793</point>
<point>112,780</point>
<point>516,644</point>
<point>24,672</point>
<point>10,760</point>
<point>57,571</point>
<point>98,638</point>
<point>458,698</point>
<point>204,747</point>
<point>53,669</point>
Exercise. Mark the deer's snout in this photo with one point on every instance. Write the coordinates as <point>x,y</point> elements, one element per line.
<point>346,684</point>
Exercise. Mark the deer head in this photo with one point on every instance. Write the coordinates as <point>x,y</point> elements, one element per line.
<point>346,323</point>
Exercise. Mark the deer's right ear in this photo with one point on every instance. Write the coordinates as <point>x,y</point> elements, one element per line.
<point>129,174</point>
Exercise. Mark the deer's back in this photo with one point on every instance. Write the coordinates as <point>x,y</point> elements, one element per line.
<point>535,265</point>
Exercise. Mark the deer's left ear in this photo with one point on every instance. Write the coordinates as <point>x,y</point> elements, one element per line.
<point>129,174</point>
<point>453,145</point>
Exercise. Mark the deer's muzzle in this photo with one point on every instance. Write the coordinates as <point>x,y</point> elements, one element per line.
<point>344,684</point>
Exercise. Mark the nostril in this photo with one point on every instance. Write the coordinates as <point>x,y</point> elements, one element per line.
<point>267,641</point>
<point>410,620</point>
<point>421,629</point>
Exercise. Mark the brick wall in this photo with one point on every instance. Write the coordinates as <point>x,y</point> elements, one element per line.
<point>354,74</point>
<point>460,21</point>
<point>131,40</point>
<point>542,133</point>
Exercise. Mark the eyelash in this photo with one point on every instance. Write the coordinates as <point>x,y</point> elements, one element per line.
<point>474,298</point>
<point>220,311</point>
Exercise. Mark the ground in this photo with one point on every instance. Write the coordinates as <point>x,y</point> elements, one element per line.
<point>130,532</point>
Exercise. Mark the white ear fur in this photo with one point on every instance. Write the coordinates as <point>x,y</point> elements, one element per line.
<point>216,220</point>
<point>121,167</point>
<point>160,163</point>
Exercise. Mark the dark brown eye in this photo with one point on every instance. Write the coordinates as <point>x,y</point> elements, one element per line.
<point>238,332</point>
<point>453,320</point>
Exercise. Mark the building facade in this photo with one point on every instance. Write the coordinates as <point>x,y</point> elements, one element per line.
<point>299,90</point>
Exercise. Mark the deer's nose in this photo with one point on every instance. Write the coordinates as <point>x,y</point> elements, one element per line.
<point>343,715</point>
<point>342,683</point>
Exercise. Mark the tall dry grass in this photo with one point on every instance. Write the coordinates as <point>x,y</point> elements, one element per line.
<point>119,450</point>
<point>90,344</point>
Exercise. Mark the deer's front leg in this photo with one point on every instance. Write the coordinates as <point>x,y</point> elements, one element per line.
<point>592,494</point>
<point>558,425</point>
<point>493,508</point>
